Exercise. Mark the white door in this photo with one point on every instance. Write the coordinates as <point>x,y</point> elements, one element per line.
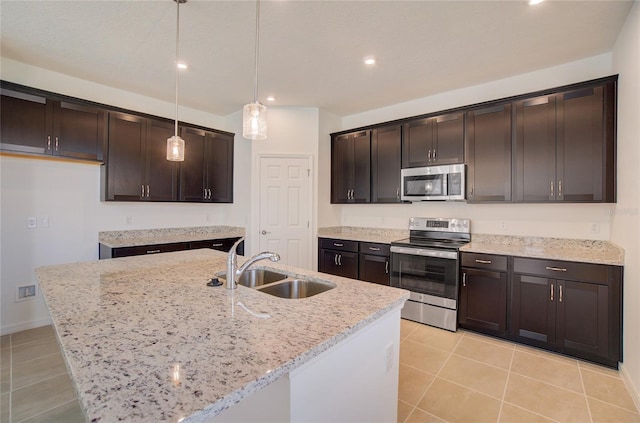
<point>285,209</point>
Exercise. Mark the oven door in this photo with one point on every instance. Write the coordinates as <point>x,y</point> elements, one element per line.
<point>433,274</point>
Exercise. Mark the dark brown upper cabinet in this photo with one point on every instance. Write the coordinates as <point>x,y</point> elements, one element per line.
<point>489,154</point>
<point>206,175</point>
<point>564,146</point>
<point>386,145</point>
<point>433,141</point>
<point>351,167</point>
<point>137,166</point>
<point>34,123</point>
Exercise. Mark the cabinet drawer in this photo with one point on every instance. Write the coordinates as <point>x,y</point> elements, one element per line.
<point>374,248</point>
<point>339,244</point>
<point>221,244</point>
<point>568,270</point>
<point>484,261</point>
<point>149,249</point>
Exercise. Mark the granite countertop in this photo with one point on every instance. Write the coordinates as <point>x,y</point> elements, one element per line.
<point>133,238</point>
<point>352,233</point>
<point>145,339</point>
<point>580,250</point>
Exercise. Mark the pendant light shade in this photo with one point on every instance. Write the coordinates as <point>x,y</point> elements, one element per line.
<point>175,144</point>
<point>254,115</point>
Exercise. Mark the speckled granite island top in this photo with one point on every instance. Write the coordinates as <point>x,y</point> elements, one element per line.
<point>580,250</point>
<point>145,339</point>
<point>133,238</point>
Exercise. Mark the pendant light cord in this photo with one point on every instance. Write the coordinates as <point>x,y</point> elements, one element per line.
<point>255,80</point>
<point>177,59</point>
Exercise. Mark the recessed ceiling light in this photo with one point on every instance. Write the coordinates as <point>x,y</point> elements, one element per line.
<point>369,61</point>
<point>534,2</point>
<point>271,98</point>
<point>182,65</point>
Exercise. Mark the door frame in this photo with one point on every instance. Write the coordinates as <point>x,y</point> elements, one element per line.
<point>254,234</point>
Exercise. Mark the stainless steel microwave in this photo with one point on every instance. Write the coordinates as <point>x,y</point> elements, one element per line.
<point>434,183</point>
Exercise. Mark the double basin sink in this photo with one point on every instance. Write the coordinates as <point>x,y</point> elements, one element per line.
<point>281,285</point>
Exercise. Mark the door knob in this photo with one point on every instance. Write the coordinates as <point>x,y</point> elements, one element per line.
<point>263,232</point>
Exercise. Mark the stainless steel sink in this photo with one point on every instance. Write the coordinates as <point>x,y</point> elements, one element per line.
<point>296,288</point>
<point>253,278</point>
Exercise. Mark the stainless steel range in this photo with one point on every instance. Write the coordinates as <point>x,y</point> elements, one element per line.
<point>427,264</point>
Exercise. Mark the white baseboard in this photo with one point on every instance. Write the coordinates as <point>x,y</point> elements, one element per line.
<point>18,327</point>
<point>633,389</point>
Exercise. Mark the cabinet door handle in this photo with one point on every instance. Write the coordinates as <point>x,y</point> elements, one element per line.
<point>551,293</point>
<point>374,249</point>
<point>464,279</point>
<point>483,261</point>
<point>147,191</point>
<point>335,259</point>
<point>209,193</point>
<point>551,189</point>
<point>339,259</point>
<point>560,296</point>
<point>559,188</point>
<point>398,193</point>
<point>386,267</point>
<point>142,194</point>
<point>152,251</point>
<point>434,154</point>
<point>429,155</point>
<point>471,193</point>
<point>56,143</point>
<point>48,142</point>
<point>204,193</point>
<point>556,269</point>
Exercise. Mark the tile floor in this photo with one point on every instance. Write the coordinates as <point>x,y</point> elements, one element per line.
<point>444,376</point>
<point>467,377</point>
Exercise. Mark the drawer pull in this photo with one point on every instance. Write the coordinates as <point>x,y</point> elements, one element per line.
<point>556,269</point>
<point>335,244</point>
<point>374,249</point>
<point>217,245</point>
<point>152,251</point>
<point>483,261</point>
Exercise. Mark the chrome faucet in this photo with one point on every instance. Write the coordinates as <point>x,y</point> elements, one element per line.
<point>234,272</point>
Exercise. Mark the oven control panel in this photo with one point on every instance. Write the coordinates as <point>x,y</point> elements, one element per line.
<point>440,224</point>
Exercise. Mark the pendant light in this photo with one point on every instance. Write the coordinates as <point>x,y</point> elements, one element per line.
<point>254,115</point>
<point>175,144</point>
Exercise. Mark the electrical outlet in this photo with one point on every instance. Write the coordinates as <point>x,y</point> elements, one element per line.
<point>128,220</point>
<point>32,223</point>
<point>388,357</point>
<point>43,222</point>
<point>595,228</point>
<point>25,292</point>
<point>502,225</point>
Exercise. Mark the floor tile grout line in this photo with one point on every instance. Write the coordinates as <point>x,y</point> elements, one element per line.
<point>40,381</point>
<point>46,411</point>
<point>612,404</point>
<point>37,358</point>
<point>506,384</point>
<point>33,341</point>
<point>548,384</point>
<point>532,412</point>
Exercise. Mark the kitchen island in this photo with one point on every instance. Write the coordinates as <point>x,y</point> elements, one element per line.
<point>145,339</point>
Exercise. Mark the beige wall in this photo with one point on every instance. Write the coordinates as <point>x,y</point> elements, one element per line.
<point>625,226</point>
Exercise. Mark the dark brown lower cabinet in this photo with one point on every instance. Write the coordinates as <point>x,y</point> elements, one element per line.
<point>366,261</point>
<point>483,293</point>
<point>374,263</point>
<point>339,263</point>
<point>221,244</point>
<point>573,308</point>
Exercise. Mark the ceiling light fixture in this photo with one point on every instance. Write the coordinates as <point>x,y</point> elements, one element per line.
<point>254,115</point>
<point>369,61</point>
<point>271,98</point>
<point>175,144</point>
<point>534,2</point>
<point>182,65</point>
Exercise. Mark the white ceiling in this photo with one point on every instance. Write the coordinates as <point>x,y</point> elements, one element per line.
<point>310,51</point>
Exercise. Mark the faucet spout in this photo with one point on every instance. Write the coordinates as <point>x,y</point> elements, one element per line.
<point>234,272</point>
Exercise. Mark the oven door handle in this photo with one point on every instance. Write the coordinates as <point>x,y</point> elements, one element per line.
<point>450,255</point>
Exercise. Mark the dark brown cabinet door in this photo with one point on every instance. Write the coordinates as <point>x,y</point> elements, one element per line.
<point>351,168</point>
<point>535,150</point>
<point>219,165</point>
<point>26,122</point>
<point>385,164</point>
<point>483,300</point>
<point>126,158</point>
<point>533,310</point>
<point>161,182</point>
<point>374,269</point>
<point>206,175</point>
<point>339,263</point>
<point>433,141</point>
<point>80,131</point>
<point>586,146</point>
<point>489,154</point>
